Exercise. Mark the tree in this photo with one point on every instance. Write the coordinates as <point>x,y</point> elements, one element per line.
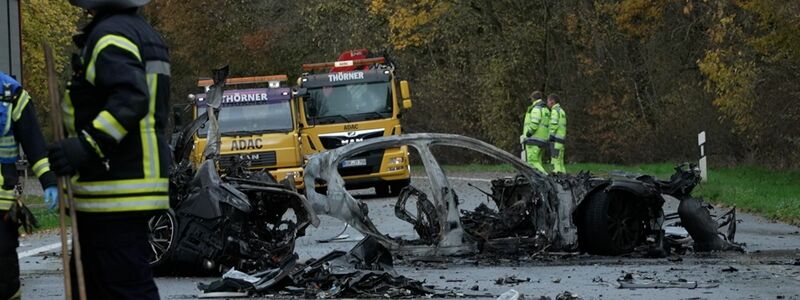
<point>52,21</point>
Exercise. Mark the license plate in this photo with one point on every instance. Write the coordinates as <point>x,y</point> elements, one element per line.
<point>354,163</point>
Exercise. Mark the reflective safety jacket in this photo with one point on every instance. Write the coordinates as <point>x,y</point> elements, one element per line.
<point>117,104</point>
<point>536,123</point>
<point>20,127</point>
<point>558,124</point>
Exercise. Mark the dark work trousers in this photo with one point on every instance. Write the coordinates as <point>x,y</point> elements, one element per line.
<point>115,255</point>
<point>9,263</point>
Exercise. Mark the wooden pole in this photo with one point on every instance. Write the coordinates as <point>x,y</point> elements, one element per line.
<point>64,184</point>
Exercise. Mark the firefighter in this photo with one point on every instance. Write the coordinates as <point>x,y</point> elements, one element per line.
<point>115,115</point>
<point>558,133</point>
<point>18,125</point>
<point>535,133</point>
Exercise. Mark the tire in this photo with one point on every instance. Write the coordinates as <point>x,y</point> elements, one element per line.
<point>397,186</point>
<point>163,230</point>
<point>382,190</point>
<point>611,224</point>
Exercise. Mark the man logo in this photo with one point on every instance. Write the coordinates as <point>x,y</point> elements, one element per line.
<point>350,141</point>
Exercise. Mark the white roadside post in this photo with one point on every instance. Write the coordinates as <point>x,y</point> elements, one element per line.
<point>703,163</point>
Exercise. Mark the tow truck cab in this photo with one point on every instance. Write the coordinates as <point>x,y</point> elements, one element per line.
<point>256,123</point>
<point>351,100</point>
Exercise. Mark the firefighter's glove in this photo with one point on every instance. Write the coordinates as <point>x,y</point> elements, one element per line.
<point>20,214</point>
<point>51,197</point>
<point>522,139</point>
<point>67,155</point>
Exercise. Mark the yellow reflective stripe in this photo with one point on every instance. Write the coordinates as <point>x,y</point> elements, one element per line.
<point>93,143</point>
<point>69,115</point>
<point>7,195</point>
<point>40,167</point>
<point>22,102</point>
<point>110,40</point>
<point>118,204</point>
<point>150,159</point>
<point>8,140</point>
<point>106,123</point>
<point>8,147</point>
<point>5,204</point>
<point>121,187</point>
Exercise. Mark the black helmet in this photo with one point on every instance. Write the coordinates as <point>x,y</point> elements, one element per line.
<point>108,4</point>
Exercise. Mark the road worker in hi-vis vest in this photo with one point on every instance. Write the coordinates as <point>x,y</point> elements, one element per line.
<point>558,133</point>
<point>115,115</point>
<point>18,126</point>
<point>535,133</point>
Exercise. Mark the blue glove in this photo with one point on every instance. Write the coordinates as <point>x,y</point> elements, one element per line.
<point>51,197</point>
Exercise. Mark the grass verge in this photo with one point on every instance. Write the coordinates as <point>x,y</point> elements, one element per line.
<point>772,194</point>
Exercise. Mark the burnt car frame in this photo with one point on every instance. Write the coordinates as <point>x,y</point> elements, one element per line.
<point>535,211</point>
<point>242,219</point>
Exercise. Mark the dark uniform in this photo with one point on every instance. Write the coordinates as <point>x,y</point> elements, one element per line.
<point>20,127</point>
<point>115,113</point>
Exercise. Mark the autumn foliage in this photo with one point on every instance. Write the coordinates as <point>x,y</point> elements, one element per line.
<point>638,78</point>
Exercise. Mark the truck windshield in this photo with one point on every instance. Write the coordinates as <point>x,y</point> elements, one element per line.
<point>349,103</point>
<point>251,119</point>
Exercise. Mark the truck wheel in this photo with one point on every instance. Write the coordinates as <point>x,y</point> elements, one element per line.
<point>611,225</point>
<point>163,228</point>
<point>398,185</point>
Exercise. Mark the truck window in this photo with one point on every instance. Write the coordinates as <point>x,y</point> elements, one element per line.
<point>252,118</point>
<point>349,103</point>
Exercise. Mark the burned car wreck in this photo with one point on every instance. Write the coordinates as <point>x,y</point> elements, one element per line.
<point>242,219</point>
<point>533,211</point>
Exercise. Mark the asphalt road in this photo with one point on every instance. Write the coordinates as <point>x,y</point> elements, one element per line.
<point>768,270</point>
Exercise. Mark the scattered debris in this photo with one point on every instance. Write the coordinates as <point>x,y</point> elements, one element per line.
<point>567,295</point>
<point>675,258</point>
<point>730,269</point>
<point>510,280</point>
<point>630,282</point>
<point>475,288</point>
<point>366,271</point>
<point>556,280</point>
<point>511,294</point>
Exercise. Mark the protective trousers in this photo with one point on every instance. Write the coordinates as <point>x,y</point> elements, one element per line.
<point>9,272</point>
<point>115,254</point>
<point>533,155</point>
<point>557,157</point>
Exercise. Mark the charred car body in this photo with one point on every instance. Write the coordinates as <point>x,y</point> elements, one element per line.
<point>533,212</point>
<point>243,220</point>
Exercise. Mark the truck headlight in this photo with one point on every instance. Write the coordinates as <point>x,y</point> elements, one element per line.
<point>396,160</point>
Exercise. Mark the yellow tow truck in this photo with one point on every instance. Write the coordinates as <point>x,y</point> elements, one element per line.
<point>350,100</point>
<point>256,123</point>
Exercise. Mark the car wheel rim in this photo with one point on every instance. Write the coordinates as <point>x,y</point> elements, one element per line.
<point>162,231</point>
<point>624,226</point>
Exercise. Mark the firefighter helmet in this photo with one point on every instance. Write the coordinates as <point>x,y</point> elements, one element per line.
<point>108,4</point>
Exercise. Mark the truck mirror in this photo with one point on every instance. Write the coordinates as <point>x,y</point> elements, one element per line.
<point>299,92</point>
<point>405,94</point>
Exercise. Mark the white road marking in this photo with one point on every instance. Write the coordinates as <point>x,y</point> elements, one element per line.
<point>41,249</point>
<point>457,178</point>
